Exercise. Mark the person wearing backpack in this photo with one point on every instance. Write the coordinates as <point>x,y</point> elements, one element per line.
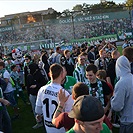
<point>9,91</point>
<point>55,57</point>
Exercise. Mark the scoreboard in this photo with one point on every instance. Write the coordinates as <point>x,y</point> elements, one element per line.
<point>30,18</point>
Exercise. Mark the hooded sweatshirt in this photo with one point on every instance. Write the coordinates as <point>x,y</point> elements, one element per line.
<point>122,101</point>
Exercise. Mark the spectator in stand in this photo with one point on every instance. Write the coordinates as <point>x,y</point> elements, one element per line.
<point>86,29</point>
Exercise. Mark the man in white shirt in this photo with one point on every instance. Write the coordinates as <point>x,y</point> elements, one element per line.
<point>9,91</point>
<point>47,100</point>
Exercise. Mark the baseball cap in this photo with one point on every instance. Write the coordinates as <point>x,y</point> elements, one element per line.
<point>86,108</point>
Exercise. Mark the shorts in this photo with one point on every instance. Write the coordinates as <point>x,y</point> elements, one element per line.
<point>10,97</point>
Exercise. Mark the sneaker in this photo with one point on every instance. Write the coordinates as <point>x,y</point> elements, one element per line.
<point>38,125</point>
<point>116,125</point>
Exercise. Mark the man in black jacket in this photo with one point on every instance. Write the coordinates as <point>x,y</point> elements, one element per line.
<point>34,81</point>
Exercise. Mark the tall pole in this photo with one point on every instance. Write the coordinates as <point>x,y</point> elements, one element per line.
<point>130,15</point>
<point>102,25</point>
<point>73,26</point>
<point>102,18</point>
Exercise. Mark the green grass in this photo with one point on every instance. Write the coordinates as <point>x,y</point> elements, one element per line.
<point>120,49</point>
<point>26,120</point>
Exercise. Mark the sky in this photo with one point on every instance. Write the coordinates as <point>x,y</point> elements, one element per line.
<point>18,6</point>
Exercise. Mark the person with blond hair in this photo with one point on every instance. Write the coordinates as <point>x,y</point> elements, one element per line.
<point>102,61</point>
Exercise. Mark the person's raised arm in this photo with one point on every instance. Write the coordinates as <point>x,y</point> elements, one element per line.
<point>62,99</point>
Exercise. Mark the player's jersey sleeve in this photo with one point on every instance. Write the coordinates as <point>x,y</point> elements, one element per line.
<point>39,97</point>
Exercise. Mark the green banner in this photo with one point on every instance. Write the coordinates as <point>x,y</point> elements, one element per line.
<point>94,40</point>
<point>89,18</point>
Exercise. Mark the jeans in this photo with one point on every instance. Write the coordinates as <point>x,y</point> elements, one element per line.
<point>10,97</point>
<point>32,99</point>
<point>5,121</point>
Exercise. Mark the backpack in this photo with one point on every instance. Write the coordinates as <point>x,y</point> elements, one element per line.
<point>10,80</point>
<point>52,58</point>
<point>3,84</point>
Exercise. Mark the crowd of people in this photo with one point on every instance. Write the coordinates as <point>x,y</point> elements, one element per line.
<point>71,91</point>
<point>66,32</point>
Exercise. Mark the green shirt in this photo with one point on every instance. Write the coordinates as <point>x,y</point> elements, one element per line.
<point>105,129</point>
<point>68,84</point>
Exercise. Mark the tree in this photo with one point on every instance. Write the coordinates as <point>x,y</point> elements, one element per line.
<point>103,7</point>
<point>77,8</point>
<point>51,15</point>
<point>129,3</point>
<point>66,13</point>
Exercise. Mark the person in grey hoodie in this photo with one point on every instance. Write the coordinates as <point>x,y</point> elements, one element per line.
<point>122,100</point>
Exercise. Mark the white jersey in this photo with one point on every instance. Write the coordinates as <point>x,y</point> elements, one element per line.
<point>47,99</point>
<point>9,87</point>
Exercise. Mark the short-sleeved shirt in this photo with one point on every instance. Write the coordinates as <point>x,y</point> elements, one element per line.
<point>63,120</point>
<point>9,87</point>
<point>68,84</point>
<point>47,99</point>
<point>105,129</point>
